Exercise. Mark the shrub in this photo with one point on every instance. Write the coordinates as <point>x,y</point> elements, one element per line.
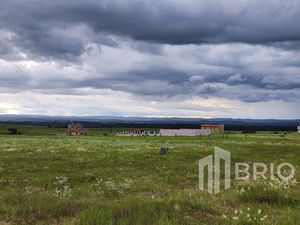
<point>13,131</point>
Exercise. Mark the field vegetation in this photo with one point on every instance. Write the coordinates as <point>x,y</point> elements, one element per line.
<point>47,177</point>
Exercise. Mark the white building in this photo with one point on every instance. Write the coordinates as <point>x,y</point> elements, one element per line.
<point>184,132</point>
<point>298,129</point>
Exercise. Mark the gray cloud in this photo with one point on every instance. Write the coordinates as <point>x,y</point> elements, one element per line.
<point>246,51</point>
<point>163,75</point>
<point>51,27</point>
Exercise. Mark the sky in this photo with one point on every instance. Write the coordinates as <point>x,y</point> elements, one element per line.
<point>160,58</point>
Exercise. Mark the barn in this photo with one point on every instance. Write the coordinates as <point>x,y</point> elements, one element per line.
<point>215,128</point>
<point>76,129</point>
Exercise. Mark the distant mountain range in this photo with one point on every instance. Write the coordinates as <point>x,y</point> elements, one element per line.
<point>151,122</point>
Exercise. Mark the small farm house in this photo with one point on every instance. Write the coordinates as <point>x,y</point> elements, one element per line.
<point>76,129</point>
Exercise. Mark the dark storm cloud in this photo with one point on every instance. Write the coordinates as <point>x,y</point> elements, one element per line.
<point>290,45</point>
<point>48,28</point>
<point>153,49</point>
<point>246,88</point>
<point>177,22</point>
<point>160,76</point>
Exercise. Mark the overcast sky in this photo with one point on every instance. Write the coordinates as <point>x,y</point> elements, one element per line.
<point>191,58</point>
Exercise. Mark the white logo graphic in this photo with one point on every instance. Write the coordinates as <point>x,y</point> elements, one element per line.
<point>242,171</point>
<point>213,168</point>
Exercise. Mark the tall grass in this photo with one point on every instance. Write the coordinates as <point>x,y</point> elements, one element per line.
<point>49,178</point>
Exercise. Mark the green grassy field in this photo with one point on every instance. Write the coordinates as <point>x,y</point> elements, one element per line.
<point>47,177</point>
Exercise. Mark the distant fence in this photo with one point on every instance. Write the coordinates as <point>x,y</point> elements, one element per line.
<point>184,132</point>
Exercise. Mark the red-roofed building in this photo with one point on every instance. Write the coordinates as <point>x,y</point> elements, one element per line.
<point>215,128</point>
